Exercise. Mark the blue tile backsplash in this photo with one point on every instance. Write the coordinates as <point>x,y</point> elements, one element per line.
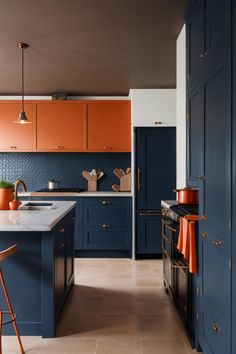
<point>37,168</point>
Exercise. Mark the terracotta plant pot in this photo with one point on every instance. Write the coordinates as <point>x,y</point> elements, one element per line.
<point>14,204</point>
<point>6,196</point>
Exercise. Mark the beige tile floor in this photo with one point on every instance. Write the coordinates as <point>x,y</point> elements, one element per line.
<point>117,306</point>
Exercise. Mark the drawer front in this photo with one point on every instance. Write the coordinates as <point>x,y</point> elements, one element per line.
<point>109,211</point>
<point>109,239</point>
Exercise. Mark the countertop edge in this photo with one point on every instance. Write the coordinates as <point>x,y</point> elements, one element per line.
<point>80,195</point>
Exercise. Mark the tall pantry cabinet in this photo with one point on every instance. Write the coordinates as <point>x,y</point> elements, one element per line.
<point>209,158</point>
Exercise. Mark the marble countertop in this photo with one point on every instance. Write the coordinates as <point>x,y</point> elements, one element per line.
<point>34,220</point>
<point>69,194</point>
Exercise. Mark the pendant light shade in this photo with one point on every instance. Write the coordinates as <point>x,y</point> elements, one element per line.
<point>22,118</point>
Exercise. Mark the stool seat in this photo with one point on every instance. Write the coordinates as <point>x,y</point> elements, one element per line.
<point>3,256</point>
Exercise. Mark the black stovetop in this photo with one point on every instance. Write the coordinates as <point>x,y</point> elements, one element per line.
<point>182,210</point>
<point>61,190</point>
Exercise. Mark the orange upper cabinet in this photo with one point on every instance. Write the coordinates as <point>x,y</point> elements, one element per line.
<point>17,137</point>
<point>61,126</point>
<point>109,126</point>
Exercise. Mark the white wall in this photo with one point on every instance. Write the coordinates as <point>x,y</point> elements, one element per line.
<point>181,108</point>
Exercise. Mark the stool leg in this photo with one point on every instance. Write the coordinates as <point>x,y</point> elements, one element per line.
<point>11,311</point>
<point>0,331</point>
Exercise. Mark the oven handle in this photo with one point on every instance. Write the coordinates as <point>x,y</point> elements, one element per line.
<point>168,226</point>
<point>181,267</point>
<point>169,240</point>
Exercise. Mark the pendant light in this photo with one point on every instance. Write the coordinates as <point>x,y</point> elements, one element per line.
<point>22,119</point>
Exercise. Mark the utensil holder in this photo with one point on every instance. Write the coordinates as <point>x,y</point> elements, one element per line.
<point>92,186</point>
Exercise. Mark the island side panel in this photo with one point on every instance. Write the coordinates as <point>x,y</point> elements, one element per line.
<point>22,273</point>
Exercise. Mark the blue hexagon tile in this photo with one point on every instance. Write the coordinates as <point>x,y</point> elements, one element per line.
<point>37,168</point>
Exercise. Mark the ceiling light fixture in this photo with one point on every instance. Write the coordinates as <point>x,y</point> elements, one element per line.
<point>22,119</point>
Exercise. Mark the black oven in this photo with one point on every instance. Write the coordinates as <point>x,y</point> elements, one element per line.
<point>178,281</point>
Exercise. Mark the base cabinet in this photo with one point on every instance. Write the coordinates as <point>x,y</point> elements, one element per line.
<point>148,225</point>
<point>37,276</point>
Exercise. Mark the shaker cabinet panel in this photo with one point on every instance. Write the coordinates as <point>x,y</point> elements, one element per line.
<point>155,166</point>
<point>61,126</point>
<point>218,152</point>
<point>15,136</point>
<point>148,239</point>
<point>217,20</point>
<point>195,146</point>
<point>109,126</point>
<point>195,43</point>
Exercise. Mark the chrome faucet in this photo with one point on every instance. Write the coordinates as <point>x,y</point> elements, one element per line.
<point>17,183</point>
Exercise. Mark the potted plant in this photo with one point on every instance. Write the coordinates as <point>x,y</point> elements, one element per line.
<point>6,194</point>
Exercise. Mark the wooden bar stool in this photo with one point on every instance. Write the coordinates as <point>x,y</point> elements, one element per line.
<point>3,255</point>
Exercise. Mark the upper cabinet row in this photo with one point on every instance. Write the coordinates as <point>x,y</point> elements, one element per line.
<point>99,126</point>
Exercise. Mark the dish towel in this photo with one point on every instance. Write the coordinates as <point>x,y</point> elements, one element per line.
<point>187,241</point>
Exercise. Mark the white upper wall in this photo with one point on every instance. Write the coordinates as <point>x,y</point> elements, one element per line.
<point>181,108</point>
<point>149,107</point>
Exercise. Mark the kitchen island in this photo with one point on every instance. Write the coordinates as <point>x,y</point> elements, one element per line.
<point>40,276</point>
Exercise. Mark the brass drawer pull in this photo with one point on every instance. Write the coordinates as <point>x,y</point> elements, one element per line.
<point>202,55</point>
<point>216,243</point>
<point>215,327</point>
<point>106,202</point>
<point>107,147</point>
<point>62,229</point>
<point>204,234</point>
<point>106,226</point>
<point>60,147</point>
<point>157,123</point>
<point>139,179</point>
<point>13,147</point>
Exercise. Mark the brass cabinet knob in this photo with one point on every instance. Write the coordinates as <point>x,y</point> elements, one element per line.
<point>62,245</point>
<point>106,226</point>
<point>202,55</point>
<point>13,147</point>
<point>215,327</point>
<point>204,234</point>
<point>62,229</point>
<point>216,243</point>
<point>201,178</point>
<point>106,202</point>
<point>59,147</point>
<point>204,217</point>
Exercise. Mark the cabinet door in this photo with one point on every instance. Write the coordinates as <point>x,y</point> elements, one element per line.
<point>217,21</point>
<point>195,42</point>
<point>155,166</point>
<point>215,248</point>
<point>17,137</point>
<point>70,230</point>
<point>148,238</point>
<point>61,126</point>
<point>195,137</point>
<point>109,126</point>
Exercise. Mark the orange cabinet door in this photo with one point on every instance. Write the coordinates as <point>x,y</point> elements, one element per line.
<point>109,126</point>
<point>17,137</point>
<point>61,126</point>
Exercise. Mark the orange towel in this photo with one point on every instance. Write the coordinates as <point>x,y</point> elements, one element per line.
<point>192,248</point>
<point>186,241</point>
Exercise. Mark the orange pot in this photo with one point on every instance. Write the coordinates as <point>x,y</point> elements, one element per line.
<point>6,196</point>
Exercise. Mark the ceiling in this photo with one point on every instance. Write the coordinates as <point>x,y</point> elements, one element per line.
<point>89,47</point>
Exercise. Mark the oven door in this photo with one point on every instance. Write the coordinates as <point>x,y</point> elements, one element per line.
<point>168,238</point>
<point>182,288</point>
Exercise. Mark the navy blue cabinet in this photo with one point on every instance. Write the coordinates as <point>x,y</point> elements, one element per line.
<point>155,164</point>
<point>209,161</point>
<point>106,224</point>
<point>148,226</point>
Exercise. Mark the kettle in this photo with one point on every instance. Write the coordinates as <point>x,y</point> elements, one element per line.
<point>53,184</point>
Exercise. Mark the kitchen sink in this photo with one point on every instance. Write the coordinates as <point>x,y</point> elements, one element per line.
<point>37,205</point>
